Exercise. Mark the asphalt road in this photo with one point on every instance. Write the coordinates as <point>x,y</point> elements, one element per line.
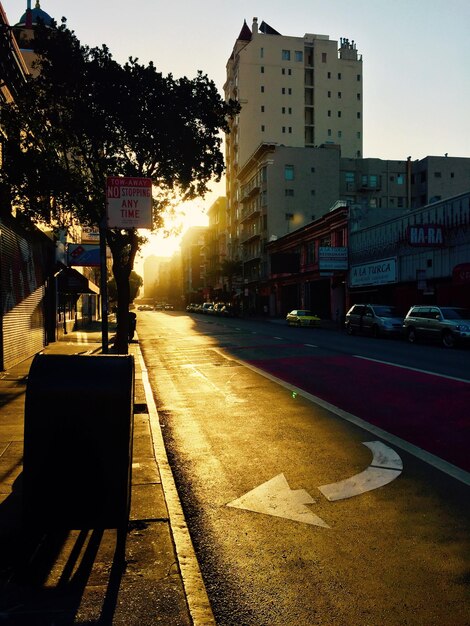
<point>295,520</point>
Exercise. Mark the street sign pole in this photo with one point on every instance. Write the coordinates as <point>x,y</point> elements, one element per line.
<point>103,288</point>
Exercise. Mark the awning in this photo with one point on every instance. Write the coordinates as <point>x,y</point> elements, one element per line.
<point>71,281</point>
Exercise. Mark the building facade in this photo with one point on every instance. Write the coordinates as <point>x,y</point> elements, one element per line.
<point>417,256</point>
<point>193,262</point>
<point>295,92</point>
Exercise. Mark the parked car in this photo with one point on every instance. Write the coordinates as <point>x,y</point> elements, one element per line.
<point>446,324</point>
<point>373,319</point>
<point>302,317</point>
<point>218,308</point>
<point>207,307</point>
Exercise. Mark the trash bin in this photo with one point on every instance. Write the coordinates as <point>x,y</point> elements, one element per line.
<point>78,436</point>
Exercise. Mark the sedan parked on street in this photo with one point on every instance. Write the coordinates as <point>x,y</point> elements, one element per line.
<point>447,324</point>
<point>302,317</point>
<point>373,319</point>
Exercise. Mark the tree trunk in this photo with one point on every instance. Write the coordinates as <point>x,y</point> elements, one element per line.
<point>124,246</point>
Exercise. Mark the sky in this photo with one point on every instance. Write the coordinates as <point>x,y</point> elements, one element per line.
<point>416,57</point>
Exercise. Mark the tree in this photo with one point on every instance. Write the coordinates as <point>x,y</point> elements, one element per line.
<point>85,116</point>
<point>135,283</point>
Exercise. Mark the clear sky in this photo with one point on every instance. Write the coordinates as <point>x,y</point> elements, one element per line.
<point>416,54</point>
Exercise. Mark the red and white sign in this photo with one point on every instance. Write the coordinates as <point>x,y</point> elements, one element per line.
<point>129,202</point>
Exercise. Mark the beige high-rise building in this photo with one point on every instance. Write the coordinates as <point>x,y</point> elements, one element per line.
<point>301,110</point>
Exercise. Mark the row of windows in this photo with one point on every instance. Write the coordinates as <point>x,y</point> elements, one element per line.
<point>286,55</point>
<point>340,133</point>
<point>298,55</point>
<point>358,76</point>
<point>339,113</point>
<point>285,129</point>
<point>288,71</point>
<point>371,180</point>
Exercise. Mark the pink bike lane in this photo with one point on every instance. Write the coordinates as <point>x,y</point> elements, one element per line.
<point>429,411</point>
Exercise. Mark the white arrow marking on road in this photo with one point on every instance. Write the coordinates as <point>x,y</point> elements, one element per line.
<point>386,466</point>
<point>275,497</point>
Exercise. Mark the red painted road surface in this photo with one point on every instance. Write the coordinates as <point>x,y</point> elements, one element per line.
<point>428,411</point>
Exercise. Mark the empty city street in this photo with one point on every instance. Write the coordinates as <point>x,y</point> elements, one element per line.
<point>324,478</point>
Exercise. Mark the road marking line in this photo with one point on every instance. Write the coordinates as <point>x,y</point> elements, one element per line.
<point>275,497</point>
<point>310,345</point>
<point>281,338</point>
<point>386,465</point>
<point>413,369</point>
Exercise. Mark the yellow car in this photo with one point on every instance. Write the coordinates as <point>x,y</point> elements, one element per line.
<point>302,317</point>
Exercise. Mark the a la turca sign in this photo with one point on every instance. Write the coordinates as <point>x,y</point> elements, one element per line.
<point>129,202</point>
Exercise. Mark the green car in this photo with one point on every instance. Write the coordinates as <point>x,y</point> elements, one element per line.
<point>302,317</point>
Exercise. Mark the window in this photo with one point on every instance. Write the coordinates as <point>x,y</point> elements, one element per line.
<point>289,72</point>
<point>329,113</point>
<point>452,174</point>
<point>339,113</point>
<point>289,91</point>
<point>262,88</point>
<point>339,94</point>
<point>289,192</point>
<point>339,75</point>
<point>312,192</point>
<point>283,90</point>
<point>262,128</point>
<point>400,179</point>
<point>285,55</point>
<point>437,175</point>
<point>299,55</point>
<point>262,108</point>
<point>329,75</point>
<point>358,96</point>
<point>358,135</point>
<point>288,172</point>
<point>373,181</point>
<point>283,129</point>
<point>310,252</point>
<point>290,110</point>
<point>340,134</point>
<point>349,177</point>
<point>261,53</point>
<point>329,94</point>
<point>358,78</point>
<point>312,169</point>
<point>283,109</point>
<point>262,69</point>
<point>283,70</point>
<point>329,132</point>
<point>358,115</point>
<point>290,130</point>
<point>323,57</point>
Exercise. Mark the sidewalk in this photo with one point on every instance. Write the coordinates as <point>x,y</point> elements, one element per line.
<point>145,574</point>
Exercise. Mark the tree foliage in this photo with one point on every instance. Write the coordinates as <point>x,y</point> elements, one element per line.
<point>84,116</point>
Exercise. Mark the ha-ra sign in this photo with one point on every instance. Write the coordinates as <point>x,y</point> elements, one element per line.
<point>129,202</point>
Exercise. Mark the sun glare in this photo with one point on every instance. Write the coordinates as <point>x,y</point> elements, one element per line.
<point>191,214</point>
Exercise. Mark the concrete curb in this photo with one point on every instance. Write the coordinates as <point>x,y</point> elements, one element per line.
<point>196,595</point>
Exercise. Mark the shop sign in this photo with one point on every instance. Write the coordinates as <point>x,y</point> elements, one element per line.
<point>332,258</point>
<point>426,235</point>
<point>461,274</point>
<point>90,234</point>
<point>83,254</point>
<point>381,272</point>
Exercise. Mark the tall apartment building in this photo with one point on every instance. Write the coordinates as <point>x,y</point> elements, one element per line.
<point>296,93</point>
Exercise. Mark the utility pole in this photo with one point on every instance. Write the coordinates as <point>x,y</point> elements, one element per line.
<point>103,287</point>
